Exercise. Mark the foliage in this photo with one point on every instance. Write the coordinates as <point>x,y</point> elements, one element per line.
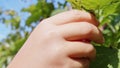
<point>10,46</point>
<point>106,58</point>
<point>107,12</point>
<point>38,12</point>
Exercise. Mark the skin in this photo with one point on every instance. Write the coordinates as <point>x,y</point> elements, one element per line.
<point>60,41</point>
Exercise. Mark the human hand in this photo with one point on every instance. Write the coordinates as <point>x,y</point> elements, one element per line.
<point>60,41</point>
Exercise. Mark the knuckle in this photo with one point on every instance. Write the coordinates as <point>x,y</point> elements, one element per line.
<point>50,37</point>
<point>91,49</point>
<point>88,27</point>
<point>51,34</point>
<point>83,15</point>
<point>75,13</point>
<point>92,29</point>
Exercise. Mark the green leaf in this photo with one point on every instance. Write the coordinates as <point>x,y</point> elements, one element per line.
<point>31,9</point>
<point>38,12</point>
<point>90,4</point>
<point>106,58</point>
<point>75,4</point>
<point>95,4</point>
<point>15,22</point>
<point>101,8</point>
<point>10,12</point>
<point>110,9</point>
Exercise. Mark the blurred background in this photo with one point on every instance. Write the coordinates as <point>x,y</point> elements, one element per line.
<point>19,17</point>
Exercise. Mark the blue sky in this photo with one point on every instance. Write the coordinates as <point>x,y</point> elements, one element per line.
<point>16,5</point>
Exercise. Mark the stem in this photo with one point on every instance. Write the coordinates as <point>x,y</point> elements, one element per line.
<point>112,28</point>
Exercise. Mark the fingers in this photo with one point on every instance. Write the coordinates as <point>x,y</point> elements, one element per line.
<point>81,31</point>
<point>80,50</point>
<point>72,16</point>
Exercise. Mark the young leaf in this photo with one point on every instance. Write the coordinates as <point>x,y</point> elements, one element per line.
<point>101,8</point>
<point>75,4</point>
<point>95,4</point>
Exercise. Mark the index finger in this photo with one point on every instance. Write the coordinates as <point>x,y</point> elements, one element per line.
<point>73,16</point>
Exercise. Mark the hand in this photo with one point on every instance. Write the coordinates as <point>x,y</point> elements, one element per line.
<point>60,41</point>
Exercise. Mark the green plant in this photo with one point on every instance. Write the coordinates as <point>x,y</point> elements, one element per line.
<point>14,41</point>
<point>108,14</point>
